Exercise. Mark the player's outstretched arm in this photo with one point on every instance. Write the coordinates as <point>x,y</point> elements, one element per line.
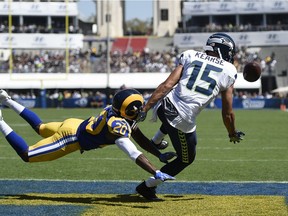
<point>228,116</point>
<point>146,144</point>
<point>126,145</point>
<point>164,88</point>
<point>143,162</point>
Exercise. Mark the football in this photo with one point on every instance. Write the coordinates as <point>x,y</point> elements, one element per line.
<point>252,71</point>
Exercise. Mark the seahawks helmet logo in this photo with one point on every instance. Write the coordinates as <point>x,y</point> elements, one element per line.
<point>223,44</point>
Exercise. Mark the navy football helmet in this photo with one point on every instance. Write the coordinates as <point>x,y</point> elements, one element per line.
<point>223,45</point>
<point>128,103</point>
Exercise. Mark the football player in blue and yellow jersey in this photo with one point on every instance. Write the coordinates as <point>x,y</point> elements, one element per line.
<point>114,125</point>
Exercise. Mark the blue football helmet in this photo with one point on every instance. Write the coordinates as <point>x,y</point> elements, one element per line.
<point>223,45</point>
<point>128,103</point>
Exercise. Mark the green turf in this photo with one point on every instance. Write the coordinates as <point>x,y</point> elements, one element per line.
<point>262,156</point>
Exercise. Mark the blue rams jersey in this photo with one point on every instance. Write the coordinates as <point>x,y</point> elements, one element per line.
<point>97,132</point>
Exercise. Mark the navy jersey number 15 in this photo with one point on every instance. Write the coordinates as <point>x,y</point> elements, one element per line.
<point>197,66</point>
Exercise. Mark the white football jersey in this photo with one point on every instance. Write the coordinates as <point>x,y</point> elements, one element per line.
<point>202,79</point>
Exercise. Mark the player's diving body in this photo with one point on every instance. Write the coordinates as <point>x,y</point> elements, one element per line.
<point>111,126</point>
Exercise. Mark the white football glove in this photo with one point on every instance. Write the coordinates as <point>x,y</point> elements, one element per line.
<point>163,176</point>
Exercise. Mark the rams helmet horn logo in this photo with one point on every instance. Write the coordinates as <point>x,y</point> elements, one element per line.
<point>127,103</point>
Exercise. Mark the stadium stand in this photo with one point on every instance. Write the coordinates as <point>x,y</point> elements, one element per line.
<point>138,44</point>
<point>120,45</point>
<point>40,45</point>
<point>129,44</point>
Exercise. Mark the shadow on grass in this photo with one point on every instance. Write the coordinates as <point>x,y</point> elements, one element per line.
<point>114,200</point>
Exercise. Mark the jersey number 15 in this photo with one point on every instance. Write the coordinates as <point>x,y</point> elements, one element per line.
<point>197,68</point>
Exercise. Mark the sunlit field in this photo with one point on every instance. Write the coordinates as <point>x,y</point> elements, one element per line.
<point>260,158</point>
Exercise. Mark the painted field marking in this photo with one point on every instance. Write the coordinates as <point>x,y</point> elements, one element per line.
<point>128,187</point>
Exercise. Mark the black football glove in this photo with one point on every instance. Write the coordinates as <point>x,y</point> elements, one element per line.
<point>165,157</point>
<point>236,137</point>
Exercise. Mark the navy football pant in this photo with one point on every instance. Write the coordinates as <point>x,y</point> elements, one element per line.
<point>183,143</point>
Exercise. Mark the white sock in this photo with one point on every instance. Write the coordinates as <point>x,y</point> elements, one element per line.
<point>18,108</point>
<point>158,137</point>
<point>152,182</point>
<point>5,128</point>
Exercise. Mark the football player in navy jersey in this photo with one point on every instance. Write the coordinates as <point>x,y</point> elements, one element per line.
<point>194,83</point>
<point>114,125</point>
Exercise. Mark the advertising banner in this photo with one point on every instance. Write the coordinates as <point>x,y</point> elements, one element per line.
<point>266,38</point>
<point>39,8</point>
<point>41,41</point>
<point>234,7</point>
<point>251,103</point>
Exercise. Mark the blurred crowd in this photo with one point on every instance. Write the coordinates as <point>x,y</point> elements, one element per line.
<point>55,97</point>
<point>99,99</point>
<point>229,27</point>
<point>58,27</point>
<point>90,61</point>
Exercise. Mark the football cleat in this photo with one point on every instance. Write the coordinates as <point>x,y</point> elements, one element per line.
<point>3,96</point>
<point>147,192</point>
<point>162,145</point>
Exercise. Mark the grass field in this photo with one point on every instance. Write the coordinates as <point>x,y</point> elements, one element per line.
<point>261,157</point>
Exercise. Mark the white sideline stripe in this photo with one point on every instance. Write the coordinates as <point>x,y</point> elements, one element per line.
<point>229,148</point>
<point>218,148</point>
<point>240,160</point>
<point>19,125</point>
<point>126,159</point>
<point>133,181</point>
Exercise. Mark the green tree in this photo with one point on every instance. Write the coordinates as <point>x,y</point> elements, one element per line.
<point>138,27</point>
